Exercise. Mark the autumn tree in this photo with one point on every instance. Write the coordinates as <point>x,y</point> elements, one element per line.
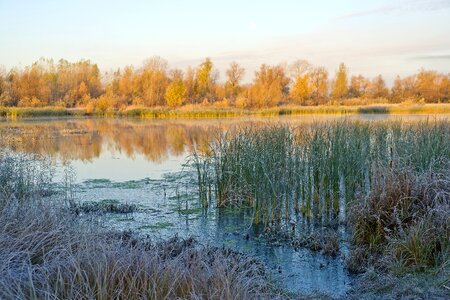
<point>319,85</point>
<point>151,81</point>
<point>206,79</point>
<point>31,86</point>
<point>270,86</point>
<point>340,83</point>
<point>70,76</point>
<point>123,85</point>
<point>301,89</point>
<point>358,86</point>
<point>234,76</point>
<point>403,89</point>
<point>5,89</point>
<point>175,93</point>
<point>431,86</point>
<point>444,88</point>
<point>377,88</point>
<point>191,85</point>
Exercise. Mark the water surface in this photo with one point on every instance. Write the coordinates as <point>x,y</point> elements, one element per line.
<point>147,163</point>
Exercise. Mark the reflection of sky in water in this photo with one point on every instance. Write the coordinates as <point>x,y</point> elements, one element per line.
<point>133,149</point>
<point>118,166</point>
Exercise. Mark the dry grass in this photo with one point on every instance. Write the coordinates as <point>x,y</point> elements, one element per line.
<point>327,242</point>
<point>403,224</point>
<point>48,252</point>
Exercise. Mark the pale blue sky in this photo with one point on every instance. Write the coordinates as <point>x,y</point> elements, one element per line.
<point>371,37</point>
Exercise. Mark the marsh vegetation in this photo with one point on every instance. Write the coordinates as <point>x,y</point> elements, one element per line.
<point>389,182</point>
<point>48,252</point>
<point>266,200</point>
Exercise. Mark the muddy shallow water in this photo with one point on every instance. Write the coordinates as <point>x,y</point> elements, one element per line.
<point>178,212</point>
<point>146,163</point>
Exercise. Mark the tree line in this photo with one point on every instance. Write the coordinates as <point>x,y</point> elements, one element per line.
<point>81,84</point>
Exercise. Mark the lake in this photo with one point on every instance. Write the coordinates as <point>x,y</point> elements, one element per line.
<point>147,163</point>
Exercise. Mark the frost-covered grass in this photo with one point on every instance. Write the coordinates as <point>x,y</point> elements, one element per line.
<point>48,252</point>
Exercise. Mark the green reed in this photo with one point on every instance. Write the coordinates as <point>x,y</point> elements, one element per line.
<point>314,170</point>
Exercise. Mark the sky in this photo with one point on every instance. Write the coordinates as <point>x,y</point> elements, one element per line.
<point>396,37</point>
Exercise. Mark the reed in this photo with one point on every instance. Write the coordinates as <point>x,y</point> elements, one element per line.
<point>211,111</point>
<point>315,170</point>
<point>29,112</point>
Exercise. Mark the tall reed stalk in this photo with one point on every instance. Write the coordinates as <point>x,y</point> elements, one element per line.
<point>314,170</point>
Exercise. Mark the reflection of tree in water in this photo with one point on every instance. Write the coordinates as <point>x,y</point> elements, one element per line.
<point>85,139</point>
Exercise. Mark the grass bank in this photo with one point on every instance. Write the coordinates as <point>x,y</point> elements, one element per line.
<point>200,111</point>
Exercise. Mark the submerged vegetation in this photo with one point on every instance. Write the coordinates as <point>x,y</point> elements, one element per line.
<point>389,181</point>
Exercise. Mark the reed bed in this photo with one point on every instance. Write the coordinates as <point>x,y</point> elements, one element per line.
<point>314,170</point>
<point>211,111</point>
<point>34,112</point>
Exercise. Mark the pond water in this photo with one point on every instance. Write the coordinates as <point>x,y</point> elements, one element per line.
<point>146,163</point>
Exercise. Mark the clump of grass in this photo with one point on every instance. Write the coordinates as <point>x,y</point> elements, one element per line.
<point>33,112</point>
<point>46,254</point>
<point>24,176</point>
<point>404,220</point>
<point>158,225</point>
<point>327,242</point>
<point>104,207</point>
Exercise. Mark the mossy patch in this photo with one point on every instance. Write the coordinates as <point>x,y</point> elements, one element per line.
<point>159,225</point>
<point>230,242</point>
<point>190,211</point>
<point>131,184</point>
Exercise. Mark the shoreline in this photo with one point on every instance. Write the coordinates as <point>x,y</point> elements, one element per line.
<point>211,112</point>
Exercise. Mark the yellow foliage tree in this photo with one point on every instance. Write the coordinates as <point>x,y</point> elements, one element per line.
<point>301,90</point>
<point>340,84</point>
<point>175,93</point>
